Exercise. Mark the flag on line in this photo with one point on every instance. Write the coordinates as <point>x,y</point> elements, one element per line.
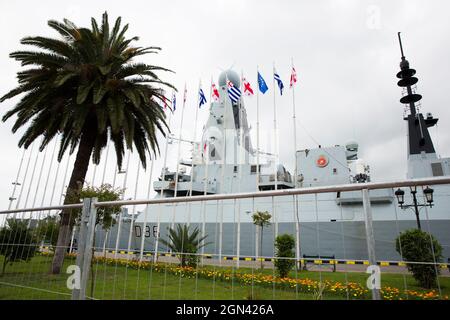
<point>185,94</point>
<point>262,84</point>
<point>215,92</point>
<point>293,77</point>
<point>247,88</point>
<point>278,79</point>
<point>174,102</point>
<point>233,92</point>
<point>202,98</point>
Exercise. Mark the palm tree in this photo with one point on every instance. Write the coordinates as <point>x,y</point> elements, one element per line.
<point>86,88</point>
<point>261,219</point>
<point>183,242</point>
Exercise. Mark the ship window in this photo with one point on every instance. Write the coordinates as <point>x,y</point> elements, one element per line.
<point>235,169</point>
<point>253,169</point>
<point>334,170</point>
<point>436,168</point>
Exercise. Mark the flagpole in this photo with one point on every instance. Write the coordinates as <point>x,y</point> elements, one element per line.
<point>275,136</point>
<point>38,185</point>
<point>134,211</point>
<point>175,193</point>
<point>297,222</point>
<point>205,178</point>
<point>257,153</point>
<point>295,127</point>
<point>179,152</point>
<point>191,182</point>
<point>33,172</point>
<point>257,131</point>
<point>275,144</point>
<point>241,150</point>
<point>163,178</point>
<point>144,226</point>
<point>222,178</point>
<point>203,218</point>
<point>16,181</point>
<point>24,179</point>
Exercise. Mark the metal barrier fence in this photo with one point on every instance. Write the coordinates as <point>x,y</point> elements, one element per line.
<point>344,247</point>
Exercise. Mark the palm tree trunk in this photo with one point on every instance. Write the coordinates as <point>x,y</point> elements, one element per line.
<point>72,194</point>
<point>260,247</point>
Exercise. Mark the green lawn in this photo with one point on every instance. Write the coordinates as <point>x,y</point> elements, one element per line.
<point>32,281</point>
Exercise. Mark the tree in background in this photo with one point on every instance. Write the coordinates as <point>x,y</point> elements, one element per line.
<point>47,230</point>
<point>418,246</point>
<point>105,215</point>
<point>86,88</point>
<point>106,192</point>
<point>284,245</point>
<point>17,242</point>
<point>185,244</point>
<point>261,219</point>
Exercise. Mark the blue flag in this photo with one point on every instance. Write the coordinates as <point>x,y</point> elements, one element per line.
<point>262,84</point>
<point>174,102</point>
<point>202,98</point>
<point>279,82</point>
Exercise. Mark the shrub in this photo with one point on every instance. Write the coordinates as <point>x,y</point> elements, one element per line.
<point>415,246</point>
<point>17,242</point>
<point>185,244</point>
<point>284,245</point>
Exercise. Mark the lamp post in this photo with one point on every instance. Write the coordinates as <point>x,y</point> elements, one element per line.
<point>428,192</point>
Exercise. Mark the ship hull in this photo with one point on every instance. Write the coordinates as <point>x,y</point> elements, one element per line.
<point>325,226</point>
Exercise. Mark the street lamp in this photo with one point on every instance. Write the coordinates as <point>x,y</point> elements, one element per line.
<point>428,192</point>
<point>400,194</point>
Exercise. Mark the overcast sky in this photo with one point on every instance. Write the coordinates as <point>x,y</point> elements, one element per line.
<point>346,55</point>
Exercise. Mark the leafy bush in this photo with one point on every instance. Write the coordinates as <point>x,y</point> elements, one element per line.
<point>284,245</point>
<point>183,242</point>
<point>415,246</point>
<point>17,242</point>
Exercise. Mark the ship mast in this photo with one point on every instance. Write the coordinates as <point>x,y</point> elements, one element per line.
<point>418,135</point>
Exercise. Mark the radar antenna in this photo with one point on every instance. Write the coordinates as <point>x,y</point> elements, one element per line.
<point>419,137</point>
<point>401,46</point>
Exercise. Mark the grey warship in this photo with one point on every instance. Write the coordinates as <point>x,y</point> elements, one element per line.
<point>328,224</point>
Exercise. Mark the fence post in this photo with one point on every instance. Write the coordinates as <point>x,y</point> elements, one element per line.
<point>369,237</point>
<point>85,244</point>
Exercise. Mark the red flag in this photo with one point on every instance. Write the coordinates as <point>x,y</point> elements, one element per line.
<point>293,77</point>
<point>215,92</point>
<point>247,88</point>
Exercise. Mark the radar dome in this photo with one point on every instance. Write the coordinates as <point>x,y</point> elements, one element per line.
<point>231,75</point>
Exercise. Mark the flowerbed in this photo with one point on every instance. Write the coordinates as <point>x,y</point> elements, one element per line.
<point>352,290</point>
